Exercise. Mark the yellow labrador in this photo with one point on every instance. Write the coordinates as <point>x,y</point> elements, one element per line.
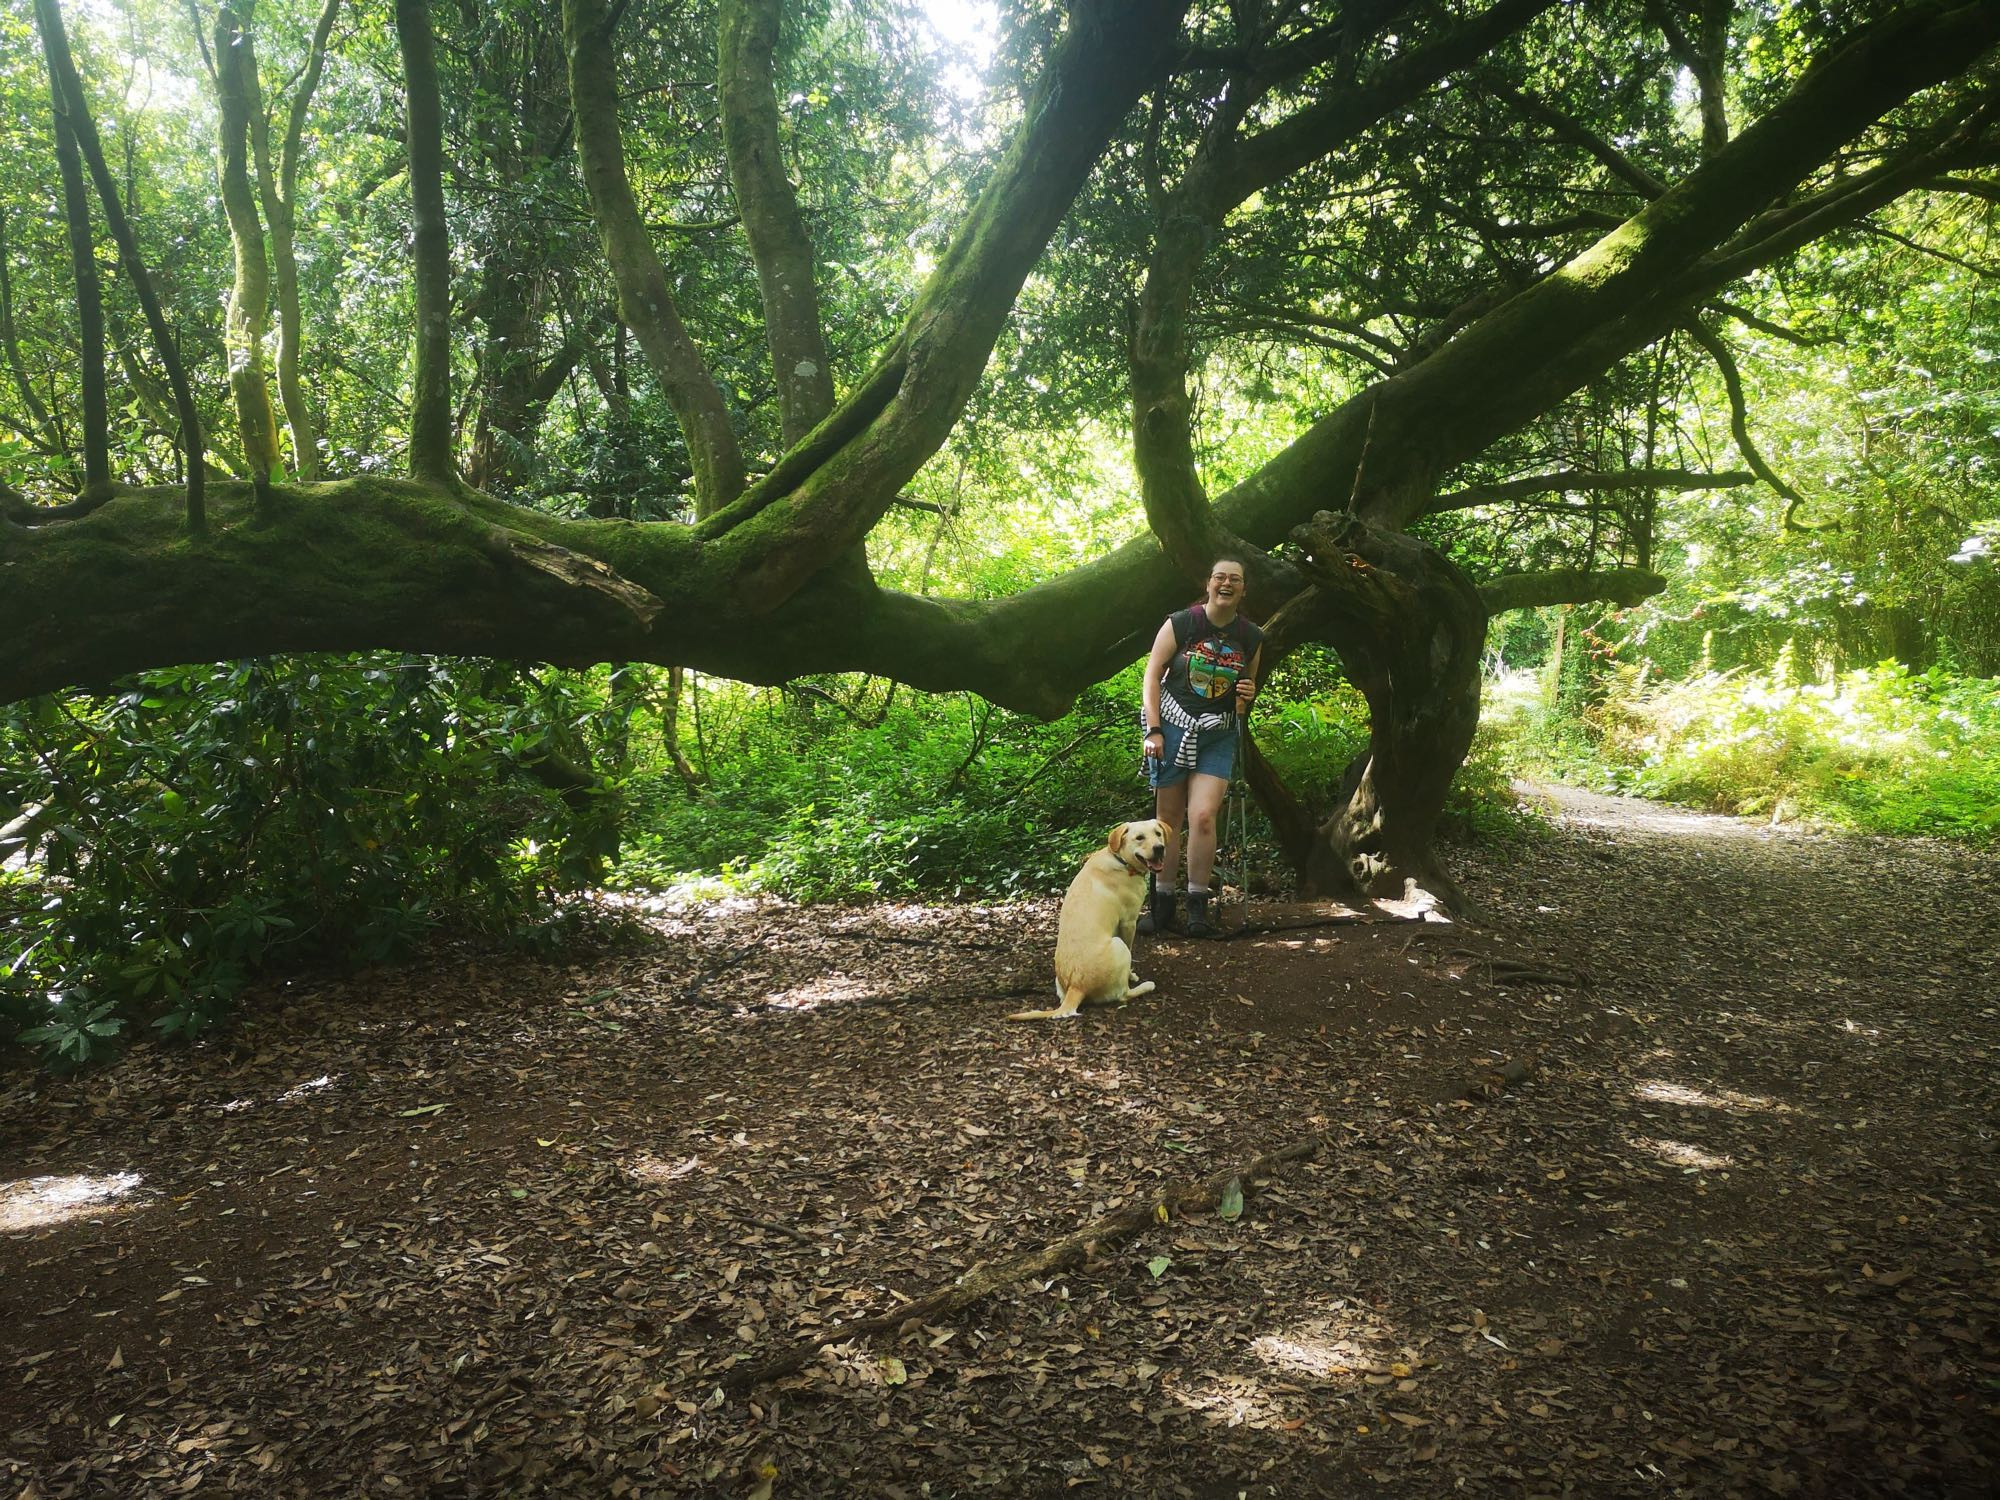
<point>1094,937</point>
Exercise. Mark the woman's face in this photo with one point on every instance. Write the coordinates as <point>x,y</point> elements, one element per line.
<point>1225,585</point>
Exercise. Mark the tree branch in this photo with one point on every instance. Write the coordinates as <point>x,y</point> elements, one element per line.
<point>1567,127</point>
<point>1504,491</point>
<point>1880,232</point>
<point>1624,587</point>
<point>1749,319</point>
<point>1633,285</point>
<point>1976,187</point>
<point>1112,52</point>
<point>1323,126</point>
<point>1739,423</point>
<point>1783,229</point>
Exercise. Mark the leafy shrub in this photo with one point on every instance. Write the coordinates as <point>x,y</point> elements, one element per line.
<point>208,822</point>
<point>1880,748</point>
<point>824,802</point>
<point>935,795</point>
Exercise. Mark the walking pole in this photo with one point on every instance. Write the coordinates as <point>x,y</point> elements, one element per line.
<point>1236,820</point>
<point>1237,824</point>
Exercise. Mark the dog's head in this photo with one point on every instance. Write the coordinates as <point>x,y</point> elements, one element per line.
<point>1141,845</point>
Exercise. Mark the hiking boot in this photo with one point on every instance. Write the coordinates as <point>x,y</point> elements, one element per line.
<point>1158,916</point>
<point>1198,923</point>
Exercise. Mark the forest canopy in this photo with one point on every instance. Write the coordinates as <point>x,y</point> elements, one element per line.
<point>730,336</point>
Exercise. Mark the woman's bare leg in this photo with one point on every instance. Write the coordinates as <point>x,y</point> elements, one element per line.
<point>1203,801</point>
<point>1170,805</point>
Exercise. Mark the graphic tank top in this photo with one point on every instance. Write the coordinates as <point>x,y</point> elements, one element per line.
<point>1209,660</point>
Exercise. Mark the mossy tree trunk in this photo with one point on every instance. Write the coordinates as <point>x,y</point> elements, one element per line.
<point>645,295</point>
<point>746,42</point>
<point>430,406</point>
<point>278,188</point>
<point>1409,627</point>
<point>240,99</point>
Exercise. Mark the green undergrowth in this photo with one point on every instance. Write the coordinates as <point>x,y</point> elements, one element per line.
<point>1878,750</point>
<point>837,789</point>
<point>947,797</point>
<point>208,824</point>
<point>205,826</point>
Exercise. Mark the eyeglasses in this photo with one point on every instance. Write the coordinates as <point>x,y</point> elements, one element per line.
<point>1225,578</point>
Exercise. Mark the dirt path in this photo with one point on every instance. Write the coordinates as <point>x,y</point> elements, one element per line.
<point>487,1228</point>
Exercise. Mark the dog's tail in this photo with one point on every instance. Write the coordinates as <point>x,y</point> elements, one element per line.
<point>1072,1002</point>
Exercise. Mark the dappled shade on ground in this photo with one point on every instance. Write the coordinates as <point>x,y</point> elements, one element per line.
<point>483,1227</point>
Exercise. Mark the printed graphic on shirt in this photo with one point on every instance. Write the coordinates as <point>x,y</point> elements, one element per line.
<point>1213,666</point>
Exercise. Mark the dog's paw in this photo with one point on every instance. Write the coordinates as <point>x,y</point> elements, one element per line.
<point>1144,987</point>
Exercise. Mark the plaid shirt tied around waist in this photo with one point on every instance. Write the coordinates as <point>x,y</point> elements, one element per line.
<point>1192,728</point>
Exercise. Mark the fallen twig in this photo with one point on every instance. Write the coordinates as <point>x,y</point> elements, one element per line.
<point>691,991</point>
<point>773,1225</point>
<point>984,1279</point>
<point>1346,919</point>
<point>1513,971</point>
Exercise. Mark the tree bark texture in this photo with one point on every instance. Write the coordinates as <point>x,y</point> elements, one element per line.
<point>430,404</point>
<point>240,99</point>
<point>278,185</point>
<point>746,41</point>
<point>645,295</point>
<point>83,260</point>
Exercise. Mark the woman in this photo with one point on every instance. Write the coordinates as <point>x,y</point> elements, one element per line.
<point>1201,676</point>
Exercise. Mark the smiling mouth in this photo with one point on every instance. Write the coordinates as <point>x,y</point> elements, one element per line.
<point>1157,861</point>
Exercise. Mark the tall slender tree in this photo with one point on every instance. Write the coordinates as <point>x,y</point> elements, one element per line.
<point>423,128</point>
<point>68,89</point>
<point>96,431</point>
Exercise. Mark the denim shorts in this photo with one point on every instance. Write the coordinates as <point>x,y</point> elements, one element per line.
<point>1214,756</point>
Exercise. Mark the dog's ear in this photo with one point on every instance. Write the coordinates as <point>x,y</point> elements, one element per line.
<point>1115,840</point>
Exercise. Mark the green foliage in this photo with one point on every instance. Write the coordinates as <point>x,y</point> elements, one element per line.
<point>825,798</point>
<point>207,823</point>
<point>1880,748</point>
